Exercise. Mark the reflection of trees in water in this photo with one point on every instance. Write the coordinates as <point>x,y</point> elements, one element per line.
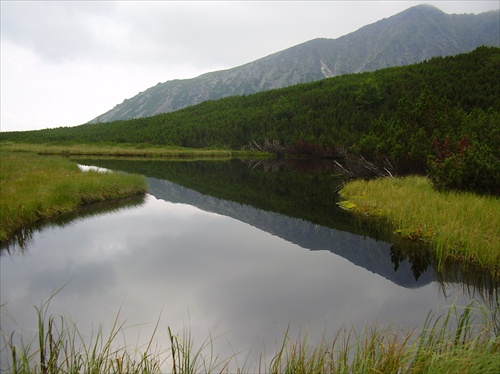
<point>22,239</point>
<point>302,166</point>
<point>474,282</point>
<point>344,166</point>
<point>477,283</point>
<point>306,189</point>
<point>417,254</point>
<point>471,279</point>
<point>454,278</point>
<point>297,164</point>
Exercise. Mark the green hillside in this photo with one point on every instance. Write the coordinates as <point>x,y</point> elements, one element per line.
<point>440,117</point>
<point>409,37</point>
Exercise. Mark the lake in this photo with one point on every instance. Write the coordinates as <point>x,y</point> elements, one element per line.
<point>237,251</point>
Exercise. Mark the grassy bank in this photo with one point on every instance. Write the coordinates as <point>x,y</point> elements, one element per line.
<point>453,341</point>
<point>127,150</point>
<point>34,188</point>
<point>460,226</point>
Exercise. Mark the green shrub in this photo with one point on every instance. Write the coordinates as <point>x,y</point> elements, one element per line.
<point>471,166</point>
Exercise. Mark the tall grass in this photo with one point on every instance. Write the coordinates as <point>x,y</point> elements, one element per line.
<point>60,347</point>
<point>37,187</point>
<point>460,226</point>
<point>454,341</point>
<point>186,358</point>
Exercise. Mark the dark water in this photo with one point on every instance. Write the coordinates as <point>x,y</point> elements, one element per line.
<point>238,251</point>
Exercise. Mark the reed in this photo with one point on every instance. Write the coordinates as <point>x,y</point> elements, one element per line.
<point>35,188</point>
<point>452,341</point>
<point>460,226</point>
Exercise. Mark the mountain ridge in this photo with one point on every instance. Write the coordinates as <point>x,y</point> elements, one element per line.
<point>414,35</point>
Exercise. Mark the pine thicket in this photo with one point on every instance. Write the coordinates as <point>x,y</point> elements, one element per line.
<point>439,117</point>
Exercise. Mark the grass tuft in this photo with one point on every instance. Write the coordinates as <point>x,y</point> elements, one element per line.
<point>460,226</point>
<point>35,187</point>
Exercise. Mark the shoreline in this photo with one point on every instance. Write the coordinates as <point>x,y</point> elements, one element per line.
<point>49,186</point>
<point>462,227</point>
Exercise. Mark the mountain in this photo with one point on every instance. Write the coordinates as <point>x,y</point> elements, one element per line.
<point>414,35</point>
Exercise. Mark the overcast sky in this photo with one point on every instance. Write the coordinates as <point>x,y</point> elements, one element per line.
<point>64,63</point>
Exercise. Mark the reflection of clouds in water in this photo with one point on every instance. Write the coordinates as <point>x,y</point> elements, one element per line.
<point>93,168</point>
<point>165,207</point>
<point>207,272</point>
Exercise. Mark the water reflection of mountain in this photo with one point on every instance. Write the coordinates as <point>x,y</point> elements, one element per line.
<point>363,251</point>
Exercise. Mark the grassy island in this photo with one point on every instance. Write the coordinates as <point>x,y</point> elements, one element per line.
<point>34,188</point>
<point>460,226</point>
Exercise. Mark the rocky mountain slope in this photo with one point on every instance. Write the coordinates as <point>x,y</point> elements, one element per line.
<point>411,36</point>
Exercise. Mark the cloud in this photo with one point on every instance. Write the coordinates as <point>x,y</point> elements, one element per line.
<point>66,62</point>
<point>56,31</point>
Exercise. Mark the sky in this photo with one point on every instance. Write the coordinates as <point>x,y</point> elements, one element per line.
<point>64,63</point>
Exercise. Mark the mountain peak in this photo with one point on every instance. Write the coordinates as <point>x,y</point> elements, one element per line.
<point>414,35</point>
<point>421,10</point>
<point>426,8</point>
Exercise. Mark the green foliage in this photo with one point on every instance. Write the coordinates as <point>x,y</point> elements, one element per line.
<point>458,150</point>
<point>406,138</point>
<point>469,157</point>
<point>471,167</point>
<point>392,115</point>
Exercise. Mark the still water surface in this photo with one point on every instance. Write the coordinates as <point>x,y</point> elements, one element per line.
<point>230,264</point>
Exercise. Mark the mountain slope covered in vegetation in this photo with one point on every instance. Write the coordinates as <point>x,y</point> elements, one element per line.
<point>411,36</point>
<point>439,117</point>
